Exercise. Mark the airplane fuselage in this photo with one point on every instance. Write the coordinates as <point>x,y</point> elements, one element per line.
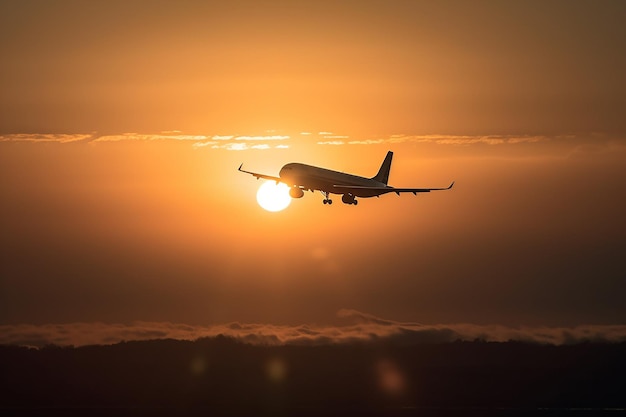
<point>315,178</point>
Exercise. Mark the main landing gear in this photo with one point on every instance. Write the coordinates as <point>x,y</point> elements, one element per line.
<point>346,199</point>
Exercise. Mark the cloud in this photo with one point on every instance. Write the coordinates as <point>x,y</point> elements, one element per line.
<point>367,142</point>
<point>332,139</point>
<point>199,141</point>
<point>233,147</point>
<point>271,137</point>
<point>204,144</point>
<point>45,137</point>
<point>150,137</point>
<point>462,140</point>
<point>458,139</point>
<point>363,317</point>
<point>326,138</point>
<point>599,141</point>
<point>238,146</point>
<point>359,327</point>
<point>439,139</point>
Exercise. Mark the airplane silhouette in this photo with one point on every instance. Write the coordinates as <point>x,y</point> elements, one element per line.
<point>302,177</point>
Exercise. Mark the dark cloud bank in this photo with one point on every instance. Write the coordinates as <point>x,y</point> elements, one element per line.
<point>225,376</point>
<point>359,327</point>
<point>368,366</point>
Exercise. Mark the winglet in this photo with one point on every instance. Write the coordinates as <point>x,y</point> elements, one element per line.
<point>451,185</point>
<point>239,169</point>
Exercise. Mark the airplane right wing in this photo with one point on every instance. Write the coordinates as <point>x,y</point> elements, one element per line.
<point>265,177</point>
<point>358,190</point>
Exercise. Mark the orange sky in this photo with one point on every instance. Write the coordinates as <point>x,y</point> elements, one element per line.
<point>367,66</point>
<point>522,104</point>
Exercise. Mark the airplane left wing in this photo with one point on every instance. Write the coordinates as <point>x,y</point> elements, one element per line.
<point>265,177</point>
<point>358,190</point>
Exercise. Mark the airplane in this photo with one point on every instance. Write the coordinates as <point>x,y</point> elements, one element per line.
<point>301,177</point>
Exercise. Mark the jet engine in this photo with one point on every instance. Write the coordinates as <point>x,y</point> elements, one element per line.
<point>348,199</point>
<point>296,192</point>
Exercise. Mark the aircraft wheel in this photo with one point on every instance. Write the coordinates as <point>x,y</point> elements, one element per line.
<point>330,201</point>
<point>355,202</point>
<point>324,201</point>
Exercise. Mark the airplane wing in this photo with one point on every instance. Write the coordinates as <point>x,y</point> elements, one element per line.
<point>265,177</point>
<point>356,190</point>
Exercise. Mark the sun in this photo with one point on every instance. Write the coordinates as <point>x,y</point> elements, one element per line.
<point>272,196</point>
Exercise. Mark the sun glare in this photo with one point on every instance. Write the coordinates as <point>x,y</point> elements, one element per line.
<point>272,196</point>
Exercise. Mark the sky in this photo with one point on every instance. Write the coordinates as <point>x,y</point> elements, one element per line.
<point>122,125</point>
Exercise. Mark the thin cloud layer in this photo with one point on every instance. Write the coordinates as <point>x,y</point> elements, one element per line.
<point>360,327</point>
<point>175,135</point>
<point>241,146</point>
<point>257,138</point>
<point>45,137</point>
<point>271,140</point>
<point>227,142</point>
<point>454,139</point>
<point>326,138</point>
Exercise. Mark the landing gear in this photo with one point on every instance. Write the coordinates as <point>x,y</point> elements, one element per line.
<point>326,199</point>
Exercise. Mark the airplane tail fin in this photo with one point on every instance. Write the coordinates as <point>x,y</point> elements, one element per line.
<point>383,172</point>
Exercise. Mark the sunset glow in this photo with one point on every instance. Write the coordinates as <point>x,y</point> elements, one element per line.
<point>139,274</point>
<point>122,125</point>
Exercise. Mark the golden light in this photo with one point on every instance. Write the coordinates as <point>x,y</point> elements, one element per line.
<point>276,370</point>
<point>272,196</point>
<point>198,365</point>
<point>391,379</point>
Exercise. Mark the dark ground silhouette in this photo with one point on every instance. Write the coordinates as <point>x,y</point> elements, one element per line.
<point>221,376</point>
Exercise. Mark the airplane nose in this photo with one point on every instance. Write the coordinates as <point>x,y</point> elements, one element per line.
<point>284,172</point>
